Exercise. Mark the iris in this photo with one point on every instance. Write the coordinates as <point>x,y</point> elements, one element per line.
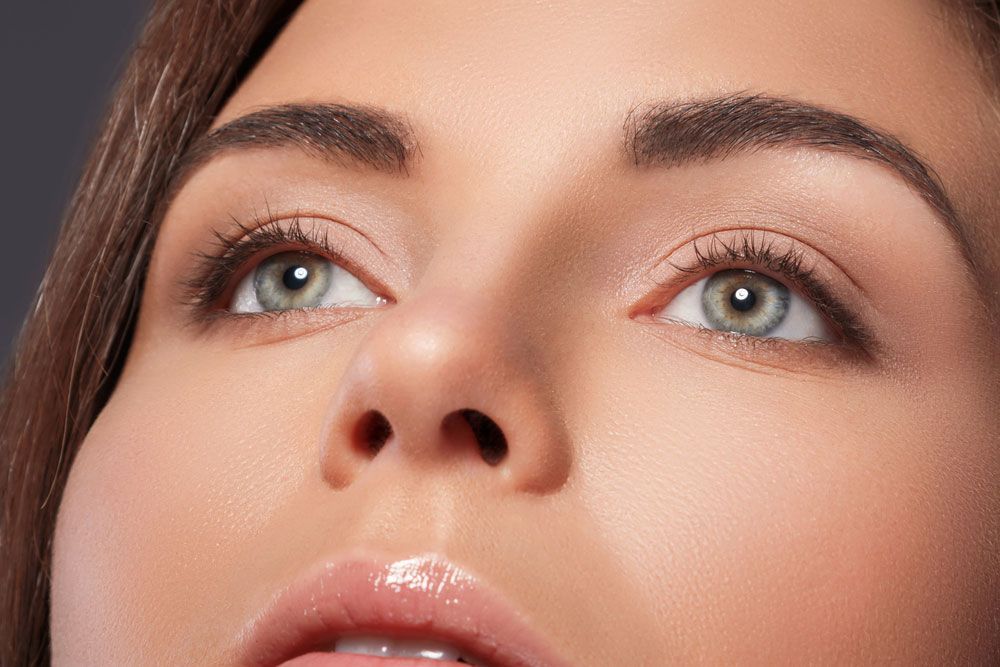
<point>744,302</point>
<point>292,280</point>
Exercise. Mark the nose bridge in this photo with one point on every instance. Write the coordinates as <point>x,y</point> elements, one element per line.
<point>444,378</point>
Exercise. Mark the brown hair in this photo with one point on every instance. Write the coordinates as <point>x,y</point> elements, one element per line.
<point>191,55</point>
<point>983,22</point>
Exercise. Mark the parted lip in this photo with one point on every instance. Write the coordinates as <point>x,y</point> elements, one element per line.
<point>424,596</point>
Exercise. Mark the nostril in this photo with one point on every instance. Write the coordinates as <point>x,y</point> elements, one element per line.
<point>373,431</point>
<point>492,443</point>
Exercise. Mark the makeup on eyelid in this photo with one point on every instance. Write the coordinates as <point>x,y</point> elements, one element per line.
<point>791,263</point>
<point>235,265</point>
<point>232,258</point>
<point>832,329</point>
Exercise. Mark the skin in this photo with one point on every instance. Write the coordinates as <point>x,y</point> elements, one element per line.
<point>679,496</point>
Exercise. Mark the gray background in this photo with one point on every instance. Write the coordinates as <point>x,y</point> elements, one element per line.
<point>59,60</point>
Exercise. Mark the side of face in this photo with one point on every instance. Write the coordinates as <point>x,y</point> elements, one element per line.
<point>669,493</point>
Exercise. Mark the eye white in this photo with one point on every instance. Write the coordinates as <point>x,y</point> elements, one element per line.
<point>345,290</point>
<point>802,321</point>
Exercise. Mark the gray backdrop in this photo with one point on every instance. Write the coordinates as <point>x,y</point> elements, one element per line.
<point>58,63</point>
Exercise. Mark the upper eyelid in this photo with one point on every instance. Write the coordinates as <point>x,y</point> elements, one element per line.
<point>802,277</point>
<point>217,272</point>
<point>788,261</point>
<point>775,265</point>
<point>786,235</point>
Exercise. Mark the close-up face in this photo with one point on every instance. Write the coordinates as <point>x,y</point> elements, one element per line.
<point>562,334</point>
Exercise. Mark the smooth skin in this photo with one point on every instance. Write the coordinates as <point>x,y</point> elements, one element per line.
<point>669,495</point>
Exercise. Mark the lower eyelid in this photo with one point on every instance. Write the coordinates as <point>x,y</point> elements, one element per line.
<point>249,330</point>
<point>771,356</point>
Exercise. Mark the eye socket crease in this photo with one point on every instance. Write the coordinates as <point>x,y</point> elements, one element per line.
<point>671,134</point>
<point>665,134</point>
<point>217,272</point>
<point>783,261</point>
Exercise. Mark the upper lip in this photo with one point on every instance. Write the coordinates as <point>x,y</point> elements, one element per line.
<point>423,596</point>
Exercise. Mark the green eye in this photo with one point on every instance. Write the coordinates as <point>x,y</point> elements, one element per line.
<point>749,303</point>
<point>744,302</point>
<point>294,280</point>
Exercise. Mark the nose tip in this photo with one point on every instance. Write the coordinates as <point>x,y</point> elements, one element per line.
<point>437,385</point>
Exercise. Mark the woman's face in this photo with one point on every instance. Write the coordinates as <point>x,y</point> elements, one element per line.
<point>732,375</point>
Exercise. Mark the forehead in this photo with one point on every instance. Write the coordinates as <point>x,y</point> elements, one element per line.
<point>487,64</point>
<point>519,88</point>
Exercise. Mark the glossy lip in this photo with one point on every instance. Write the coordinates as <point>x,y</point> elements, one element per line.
<point>424,596</point>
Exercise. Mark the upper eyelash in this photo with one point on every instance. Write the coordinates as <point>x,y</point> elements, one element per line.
<point>213,277</point>
<point>757,248</point>
<point>753,247</point>
<point>215,270</point>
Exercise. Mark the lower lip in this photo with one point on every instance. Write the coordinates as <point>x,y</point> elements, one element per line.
<point>355,660</point>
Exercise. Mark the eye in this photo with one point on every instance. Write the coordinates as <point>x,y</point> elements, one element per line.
<point>749,303</point>
<point>292,280</point>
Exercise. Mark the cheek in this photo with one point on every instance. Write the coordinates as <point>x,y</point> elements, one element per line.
<point>768,516</point>
<point>786,517</point>
<point>172,483</point>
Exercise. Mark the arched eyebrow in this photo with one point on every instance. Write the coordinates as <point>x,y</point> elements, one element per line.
<point>662,134</point>
<point>367,136</point>
<point>675,133</point>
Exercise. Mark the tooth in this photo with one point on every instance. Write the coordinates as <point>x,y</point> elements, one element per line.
<point>364,645</point>
<point>422,648</point>
<point>396,648</point>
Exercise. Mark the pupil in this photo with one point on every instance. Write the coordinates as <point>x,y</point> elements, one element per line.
<point>743,299</point>
<point>295,277</point>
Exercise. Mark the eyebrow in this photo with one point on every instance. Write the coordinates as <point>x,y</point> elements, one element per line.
<point>661,134</point>
<point>367,136</point>
<point>672,134</point>
<point>666,134</point>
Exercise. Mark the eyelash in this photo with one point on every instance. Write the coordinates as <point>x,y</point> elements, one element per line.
<point>213,277</point>
<point>215,271</point>
<point>756,249</point>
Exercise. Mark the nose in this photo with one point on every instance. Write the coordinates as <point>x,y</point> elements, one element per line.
<point>446,383</point>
